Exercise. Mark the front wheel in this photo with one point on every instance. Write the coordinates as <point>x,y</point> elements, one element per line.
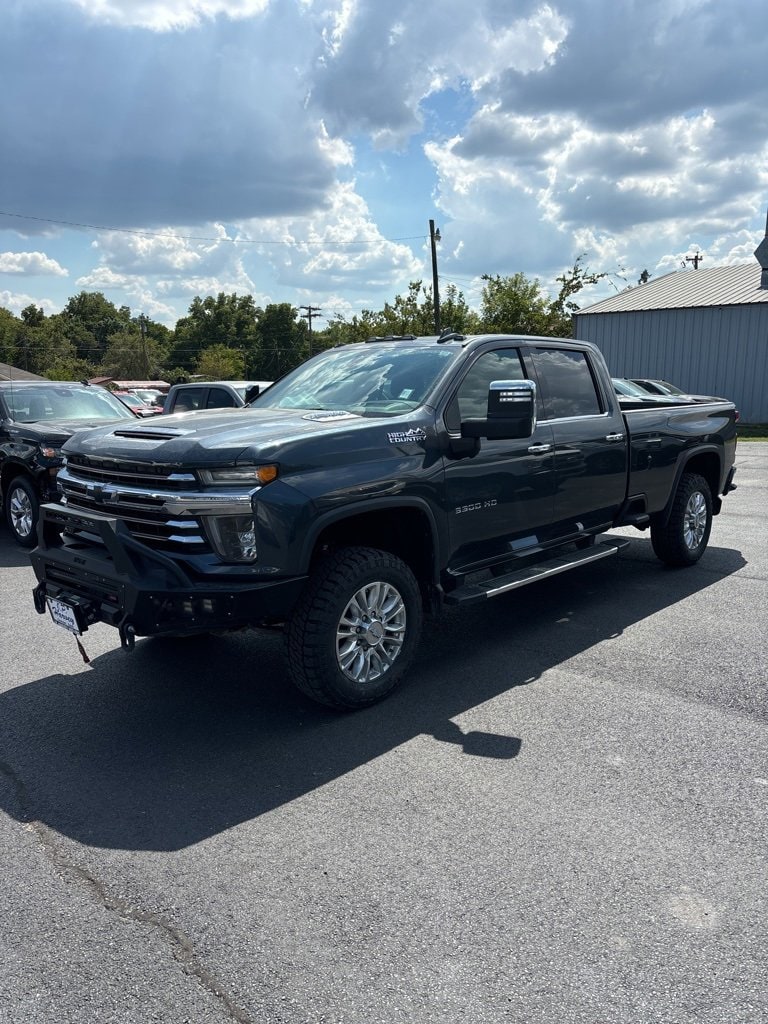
<point>355,629</point>
<point>21,511</point>
<point>683,540</point>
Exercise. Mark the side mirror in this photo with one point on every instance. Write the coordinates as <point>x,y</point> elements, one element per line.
<point>251,393</point>
<point>511,412</point>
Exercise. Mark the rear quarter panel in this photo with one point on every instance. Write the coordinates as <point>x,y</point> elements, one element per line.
<point>663,441</point>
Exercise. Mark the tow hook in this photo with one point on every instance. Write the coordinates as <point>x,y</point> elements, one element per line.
<point>38,596</point>
<point>127,636</point>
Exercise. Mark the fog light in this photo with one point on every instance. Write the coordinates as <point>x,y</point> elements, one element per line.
<point>233,537</point>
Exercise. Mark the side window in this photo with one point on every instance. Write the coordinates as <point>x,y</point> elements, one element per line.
<point>567,382</point>
<point>188,399</point>
<point>219,398</point>
<point>472,395</point>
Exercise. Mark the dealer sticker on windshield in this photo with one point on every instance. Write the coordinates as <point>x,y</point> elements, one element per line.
<point>63,614</point>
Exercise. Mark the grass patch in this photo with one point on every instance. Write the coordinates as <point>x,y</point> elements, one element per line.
<point>752,431</point>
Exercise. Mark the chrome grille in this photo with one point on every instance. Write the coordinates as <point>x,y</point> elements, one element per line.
<point>138,495</point>
<point>135,474</point>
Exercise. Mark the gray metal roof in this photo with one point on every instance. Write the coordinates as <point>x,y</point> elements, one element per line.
<point>735,285</point>
<point>8,372</point>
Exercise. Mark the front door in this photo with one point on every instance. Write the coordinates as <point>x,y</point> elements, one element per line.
<point>501,500</point>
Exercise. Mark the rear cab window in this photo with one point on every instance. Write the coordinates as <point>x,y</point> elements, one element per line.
<point>567,383</point>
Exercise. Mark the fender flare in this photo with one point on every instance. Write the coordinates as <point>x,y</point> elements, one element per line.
<point>684,459</point>
<point>375,505</point>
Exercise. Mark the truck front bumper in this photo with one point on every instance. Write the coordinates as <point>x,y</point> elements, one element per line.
<point>104,575</point>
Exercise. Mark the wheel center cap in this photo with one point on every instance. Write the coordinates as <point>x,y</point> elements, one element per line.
<point>373,634</point>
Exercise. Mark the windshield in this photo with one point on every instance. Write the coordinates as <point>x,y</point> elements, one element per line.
<point>133,400</point>
<point>30,404</point>
<point>381,380</point>
<point>626,387</point>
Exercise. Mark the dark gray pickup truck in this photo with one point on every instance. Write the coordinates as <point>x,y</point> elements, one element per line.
<point>374,483</point>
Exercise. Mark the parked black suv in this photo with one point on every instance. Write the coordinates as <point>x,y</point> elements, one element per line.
<point>36,418</point>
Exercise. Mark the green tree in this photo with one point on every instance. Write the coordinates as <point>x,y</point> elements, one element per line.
<point>229,320</point>
<point>221,363</point>
<point>563,307</point>
<point>9,329</point>
<point>55,354</point>
<point>131,355</point>
<point>282,342</point>
<point>513,305</point>
<point>456,314</point>
<point>90,320</point>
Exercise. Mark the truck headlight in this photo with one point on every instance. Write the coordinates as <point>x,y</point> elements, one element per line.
<point>239,475</point>
<point>233,537</point>
<point>48,452</point>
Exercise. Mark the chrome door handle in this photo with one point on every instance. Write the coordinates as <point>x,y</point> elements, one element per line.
<point>614,437</point>
<point>540,449</point>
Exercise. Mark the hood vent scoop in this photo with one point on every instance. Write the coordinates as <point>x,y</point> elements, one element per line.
<point>149,435</point>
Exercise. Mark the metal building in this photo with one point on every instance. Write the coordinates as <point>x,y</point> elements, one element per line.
<point>704,330</point>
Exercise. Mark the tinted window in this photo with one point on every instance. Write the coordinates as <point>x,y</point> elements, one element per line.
<point>566,380</point>
<point>188,399</point>
<point>473,391</point>
<point>219,398</point>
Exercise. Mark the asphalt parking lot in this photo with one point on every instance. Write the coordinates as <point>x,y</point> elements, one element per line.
<point>560,817</point>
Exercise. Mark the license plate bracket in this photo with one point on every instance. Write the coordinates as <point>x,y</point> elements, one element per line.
<point>64,615</point>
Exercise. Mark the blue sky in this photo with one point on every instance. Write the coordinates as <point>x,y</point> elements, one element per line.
<point>156,150</point>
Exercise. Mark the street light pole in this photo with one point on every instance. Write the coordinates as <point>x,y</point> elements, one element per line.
<point>434,237</point>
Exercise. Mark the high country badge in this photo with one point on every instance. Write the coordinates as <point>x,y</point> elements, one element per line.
<point>407,436</point>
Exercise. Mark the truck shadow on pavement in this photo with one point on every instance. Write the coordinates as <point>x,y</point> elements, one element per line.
<point>181,740</point>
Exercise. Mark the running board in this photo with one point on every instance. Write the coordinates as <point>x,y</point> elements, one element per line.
<point>533,573</point>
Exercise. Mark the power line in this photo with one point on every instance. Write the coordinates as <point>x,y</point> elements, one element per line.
<point>199,238</point>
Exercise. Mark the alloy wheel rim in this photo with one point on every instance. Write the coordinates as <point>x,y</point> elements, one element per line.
<point>695,520</point>
<point>20,508</point>
<point>371,632</point>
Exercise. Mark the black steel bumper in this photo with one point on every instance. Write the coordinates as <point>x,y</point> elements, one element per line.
<point>106,575</point>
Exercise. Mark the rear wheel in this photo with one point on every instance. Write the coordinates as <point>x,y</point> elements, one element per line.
<point>22,508</point>
<point>683,539</point>
<point>355,629</point>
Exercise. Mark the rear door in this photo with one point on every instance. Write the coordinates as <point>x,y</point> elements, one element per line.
<point>590,454</point>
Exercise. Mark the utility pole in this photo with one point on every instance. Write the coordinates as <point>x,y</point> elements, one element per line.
<point>145,357</point>
<point>311,311</point>
<point>434,237</point>
<point>695,260</point>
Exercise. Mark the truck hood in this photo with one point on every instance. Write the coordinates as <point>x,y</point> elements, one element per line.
<point>57,432</point>
<point>230,436</point>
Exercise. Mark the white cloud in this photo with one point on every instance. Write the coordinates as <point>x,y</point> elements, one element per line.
<point>16,302</point>
<point>104,278</point>
<point>340,247</point>
<point>166,15</point>
<point>291,137</point>
<point>30,264</point>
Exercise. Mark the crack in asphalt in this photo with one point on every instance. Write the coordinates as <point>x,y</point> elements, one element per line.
<point>181,945</point>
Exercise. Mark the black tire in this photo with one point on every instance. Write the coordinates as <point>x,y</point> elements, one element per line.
<point>22,509</point>
<point>683,540</point>
<point>342,656</point>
